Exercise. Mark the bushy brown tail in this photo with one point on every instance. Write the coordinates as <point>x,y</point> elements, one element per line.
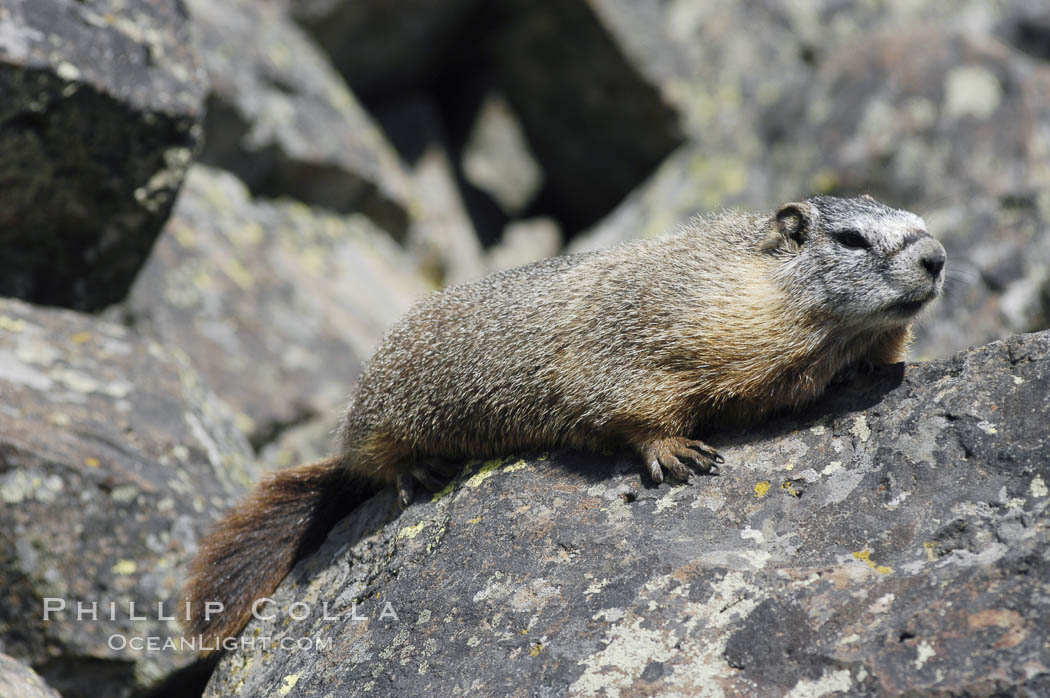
<point>253,548</point>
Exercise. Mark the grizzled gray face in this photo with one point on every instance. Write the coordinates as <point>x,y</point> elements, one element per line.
<point>861,261</point>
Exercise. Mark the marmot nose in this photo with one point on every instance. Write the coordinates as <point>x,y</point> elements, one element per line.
<point>933,263</point>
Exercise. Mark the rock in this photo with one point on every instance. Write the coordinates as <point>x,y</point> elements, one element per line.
<point>100,118</point>
<point>276,304</point>
<point>443,239</point>
<point>497,159</point>
<point>113,460</point>
<point>525,241</point>
<point>281,119</point>
<point>597,126</point>
<point>891,539</point>
<point>16,679</point>
<point>304,442</point>
<point>382,48</point>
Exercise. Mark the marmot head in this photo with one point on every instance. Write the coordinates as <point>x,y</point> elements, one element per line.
<point>856,260</point>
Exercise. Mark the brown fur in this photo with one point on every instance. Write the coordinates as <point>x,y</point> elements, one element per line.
<point>640,345</point>
<point>249,552</point>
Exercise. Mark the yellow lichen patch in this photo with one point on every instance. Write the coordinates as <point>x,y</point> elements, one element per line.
<point>239,274</point>
<point>931,550</point>
<point>125,567</point>
<point>514,467</point>
<point>12,324</point>
<point>476,519</point>
<point>865,556</point>
<point>287,684</point>
<point>184,234</point>
<point>825,181</point>
<point>92,462</point>
<point>59,419</point>
<point>762,489</point>
<point>243,422</point>
<point>486,471</point>
<point>789,487</point>
<point>410,532</point>
<point>443,491</point>
<point>81,337</point>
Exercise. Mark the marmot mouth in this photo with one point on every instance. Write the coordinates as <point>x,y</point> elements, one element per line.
<point>911,307</point>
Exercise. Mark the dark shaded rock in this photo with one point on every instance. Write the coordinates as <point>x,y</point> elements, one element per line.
<point>99,120</point>
<point>380,47</point>
<point>19,681</point>
<point>891,539</point>
<point>281,119</point>
<point>276,304</point>
<point>113,460</point>
<point>597,126</point>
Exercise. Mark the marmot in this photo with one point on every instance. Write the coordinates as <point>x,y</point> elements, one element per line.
<point>641,346</point>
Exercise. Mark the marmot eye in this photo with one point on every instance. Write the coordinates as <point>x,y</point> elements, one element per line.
<point>852,239</point>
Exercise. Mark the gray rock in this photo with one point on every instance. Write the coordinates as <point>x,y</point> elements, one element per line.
<point>113,460</point>
<point>276,304</point>
<point>282,119</point>
<point>304,442</point>
<point>19,681</point>
<point>523,242</point>
<point>891,539</point>
<point>496,157</point>
<point>383,48</point>
<point>101,110</point>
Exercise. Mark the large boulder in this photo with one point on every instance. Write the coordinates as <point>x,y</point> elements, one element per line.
<point>283,120</point>
<point>113,460</point>
<point>276,304</point>
<point>100,117</point>
<point>891,539</point>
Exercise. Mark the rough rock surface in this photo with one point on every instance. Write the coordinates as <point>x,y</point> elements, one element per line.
<point>113,459</point>
<point>284,121</point>
<point>277,305</point>
<point>893,538</point>
<point>99,120</point>
<point>19,681</point>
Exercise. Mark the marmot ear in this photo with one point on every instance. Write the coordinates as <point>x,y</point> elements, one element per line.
<point>795,221</point>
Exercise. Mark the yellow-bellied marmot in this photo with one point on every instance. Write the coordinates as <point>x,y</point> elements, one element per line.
<point>641,345</point>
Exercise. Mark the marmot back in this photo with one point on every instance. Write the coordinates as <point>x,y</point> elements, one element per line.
<point>641,346</point>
